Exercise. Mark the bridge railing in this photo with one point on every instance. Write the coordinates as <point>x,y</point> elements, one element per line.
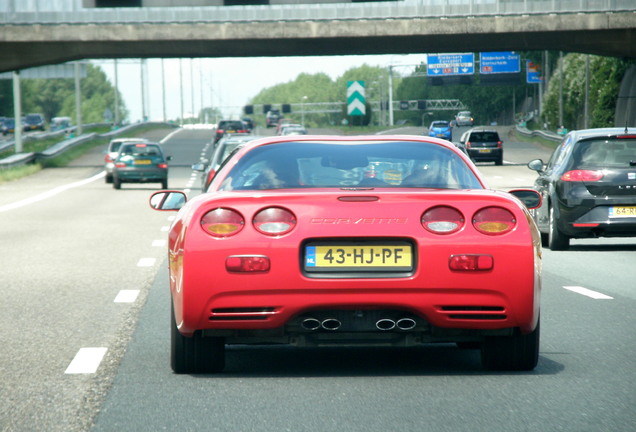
<point>54,13</point>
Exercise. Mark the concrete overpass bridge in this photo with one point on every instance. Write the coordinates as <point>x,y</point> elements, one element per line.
<point>40,37</point>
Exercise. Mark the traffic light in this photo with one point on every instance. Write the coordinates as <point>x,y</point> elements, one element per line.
<point>421,104</point>
<point>248,109</point>
<point>266,108</point>
<point>404,105</point>
<point>286,108</point>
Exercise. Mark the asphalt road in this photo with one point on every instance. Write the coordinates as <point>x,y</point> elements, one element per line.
<point>84,271</point>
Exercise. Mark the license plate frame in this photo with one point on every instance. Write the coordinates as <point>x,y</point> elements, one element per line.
<point>373,256</point>
<point>622,212</point>
<point>142,162</point>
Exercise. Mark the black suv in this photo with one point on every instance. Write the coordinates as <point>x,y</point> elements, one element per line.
<point>226,127</point>
<point>483,145</point>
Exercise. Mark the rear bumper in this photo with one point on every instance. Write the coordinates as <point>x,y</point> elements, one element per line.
<point>141,176</point>
<point>485,154</point>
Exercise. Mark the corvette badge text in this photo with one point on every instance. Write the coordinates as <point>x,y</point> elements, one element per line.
<point>359,221</point>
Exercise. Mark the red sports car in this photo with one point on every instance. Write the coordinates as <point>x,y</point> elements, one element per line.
<point>374,240</point>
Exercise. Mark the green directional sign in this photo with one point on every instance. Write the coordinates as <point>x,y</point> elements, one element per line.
<point>355,98</point>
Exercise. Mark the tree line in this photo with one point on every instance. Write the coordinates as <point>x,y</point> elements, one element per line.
<point>56,97</point>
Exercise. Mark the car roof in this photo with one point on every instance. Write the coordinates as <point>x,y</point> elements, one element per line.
<point>602,132</point>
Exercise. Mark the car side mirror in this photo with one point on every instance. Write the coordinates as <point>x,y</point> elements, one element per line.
<point>167,200</point>
<point>529,197</point>
<point>536,165</point>
<point>200,167</point>
<point>169,158</point>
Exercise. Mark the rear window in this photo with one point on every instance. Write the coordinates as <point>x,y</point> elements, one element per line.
<point>484,136</point>
<point>604,153</point>
<point>140,150</point>
<point>231,125</point>
<point>440,124</point>
<point>320,165</point>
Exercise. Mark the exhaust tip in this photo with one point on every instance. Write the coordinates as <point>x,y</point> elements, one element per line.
<point>310,324</point>
<point>406,323</point>
<point>385,324</point>
<point>331,324</point>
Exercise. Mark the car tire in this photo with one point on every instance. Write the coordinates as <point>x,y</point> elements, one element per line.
<point>196,354</point>
<point>518,352</point>
<point>109,179</point>
<point>116,183</point>
<point>499,161</point>
<point>164,184</point>
<point>557,241</point>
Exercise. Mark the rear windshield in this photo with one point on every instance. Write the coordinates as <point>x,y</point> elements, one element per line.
<point>440,124</point>
<point>319,165</point>
<point>604,153</point>
<point>231,125</point>
<point>140,150</point>
<point>484,136</point>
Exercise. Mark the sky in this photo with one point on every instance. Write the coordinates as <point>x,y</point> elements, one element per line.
<point>228,83</point>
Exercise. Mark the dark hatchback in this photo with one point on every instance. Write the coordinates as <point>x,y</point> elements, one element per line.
<point>588,187</point>
<point>141,163</point>
<point>227,127</point>
<point>483,145</point>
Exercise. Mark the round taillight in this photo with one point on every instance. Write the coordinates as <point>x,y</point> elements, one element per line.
<point>442,220</point>
<point>494,221</point>
<point>222,222</point>
<point>274,221</point>
<point>582,175</point>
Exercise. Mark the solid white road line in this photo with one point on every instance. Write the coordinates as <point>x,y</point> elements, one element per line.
<point>86,361</point>
<point>588,292</point>
<point>50,193</point>
<point>126,296</point>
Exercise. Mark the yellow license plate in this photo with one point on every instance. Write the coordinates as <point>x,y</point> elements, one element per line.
<point>484,150</point>
<point>142,162</point>
<point>359,257</point>
<point>622,211</point>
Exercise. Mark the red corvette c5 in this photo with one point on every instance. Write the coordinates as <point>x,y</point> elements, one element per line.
<point>374,240</point>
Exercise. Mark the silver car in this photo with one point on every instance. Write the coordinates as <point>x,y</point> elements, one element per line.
<point>113,151</point>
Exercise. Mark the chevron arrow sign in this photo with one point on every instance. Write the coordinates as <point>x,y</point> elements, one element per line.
<point>355,98</point>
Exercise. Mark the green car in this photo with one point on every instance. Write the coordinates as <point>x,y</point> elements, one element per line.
<point>141,163</point>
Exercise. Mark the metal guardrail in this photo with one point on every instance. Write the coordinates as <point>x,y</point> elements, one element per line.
<point>59,148</point>
<point>551,136</point>
<point>43,14</point>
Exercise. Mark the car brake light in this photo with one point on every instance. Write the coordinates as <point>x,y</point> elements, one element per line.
<point>120,165</point>
<point>222,222</point>
<point>274,221</point>
<point>582,175</point>
<point>162,165</point>
<point>471,262</point>
<point>494,221</point>
<point>499,144</point>
<point>442,220</point>
<point>140,145</point>
<point>467,144</point>
<point>108,159</point>
<point>220,131</point>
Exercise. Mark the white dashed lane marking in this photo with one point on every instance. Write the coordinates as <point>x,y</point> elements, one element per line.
<point>588,292</point>
<point>126,296</point>
<point>86,361</point>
